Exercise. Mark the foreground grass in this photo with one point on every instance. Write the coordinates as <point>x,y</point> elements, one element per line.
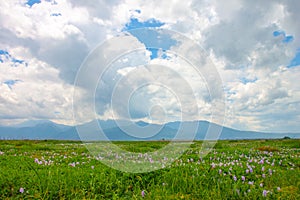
<point>259,169</point>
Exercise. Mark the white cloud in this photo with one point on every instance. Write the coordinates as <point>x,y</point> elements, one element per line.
<point>271,99</point>
<point>37,21</point>
<point>237,35</point>
<point>39,93</point>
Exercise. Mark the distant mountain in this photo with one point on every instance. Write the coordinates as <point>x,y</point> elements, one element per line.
<point>32,123</point>
<point>117,130</point>
<point>33,130</point>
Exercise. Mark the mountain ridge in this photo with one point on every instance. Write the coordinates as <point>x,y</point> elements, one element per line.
<point>132,131</point>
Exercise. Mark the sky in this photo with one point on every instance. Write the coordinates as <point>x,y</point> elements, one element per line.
<point>254,46</point>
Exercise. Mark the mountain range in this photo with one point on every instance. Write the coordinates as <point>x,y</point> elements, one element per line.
<point>128,131</point>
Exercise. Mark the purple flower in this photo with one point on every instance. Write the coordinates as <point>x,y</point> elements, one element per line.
<point>21,190</point>
<point>143,193</point>
<point>243,178</point>
<point>247,171</point>
<point>263,175</point>
<point>263,169</point>
<point>265,193</point>
<point>251,182</point>
<point>261,184</point>
<point>220,171</point>
<point>251,170</point>
<point>270,171</point>
<point>234,178</point>
<point>261,162</point>
<point>72,164</point>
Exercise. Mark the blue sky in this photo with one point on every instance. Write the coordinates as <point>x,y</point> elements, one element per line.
<point>11,83</point>
<point>4,55</point>
<point>32,2</point>
<point>255,51</point>
<point>152,39</point>
<point>286,38</point>
<point>296,60</point>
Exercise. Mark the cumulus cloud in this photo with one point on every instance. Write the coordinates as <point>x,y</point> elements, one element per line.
<point>54,37</point>
<point>32,89</point>
<point>58,33</point>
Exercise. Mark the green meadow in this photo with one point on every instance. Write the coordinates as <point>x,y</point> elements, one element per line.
<point>245,169</point>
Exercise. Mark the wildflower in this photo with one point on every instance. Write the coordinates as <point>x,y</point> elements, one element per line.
<point>92,167</point>
<point>72,164</point>
<point>21,190</point>
<point>247,171</point>
<point>265,193</point>
<point>261,162</point>
<point>263,175</point>
<point>270,171</point>
<point>234,178</point>
<point>251,170</point>
<point>38,161</point>
<point>261,184</point>
<point>263,169</point>
<point>278,188</point>
<point>243,178</point>
<point>251,182</point>
<point>220,171</point>
<point>143,193</point>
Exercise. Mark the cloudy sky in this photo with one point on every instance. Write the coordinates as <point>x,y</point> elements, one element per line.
<point>253,46</point>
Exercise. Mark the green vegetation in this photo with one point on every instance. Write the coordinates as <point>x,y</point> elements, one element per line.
<point>254,169</point>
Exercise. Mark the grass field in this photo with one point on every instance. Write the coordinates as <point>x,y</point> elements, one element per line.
<point>256,169</point>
